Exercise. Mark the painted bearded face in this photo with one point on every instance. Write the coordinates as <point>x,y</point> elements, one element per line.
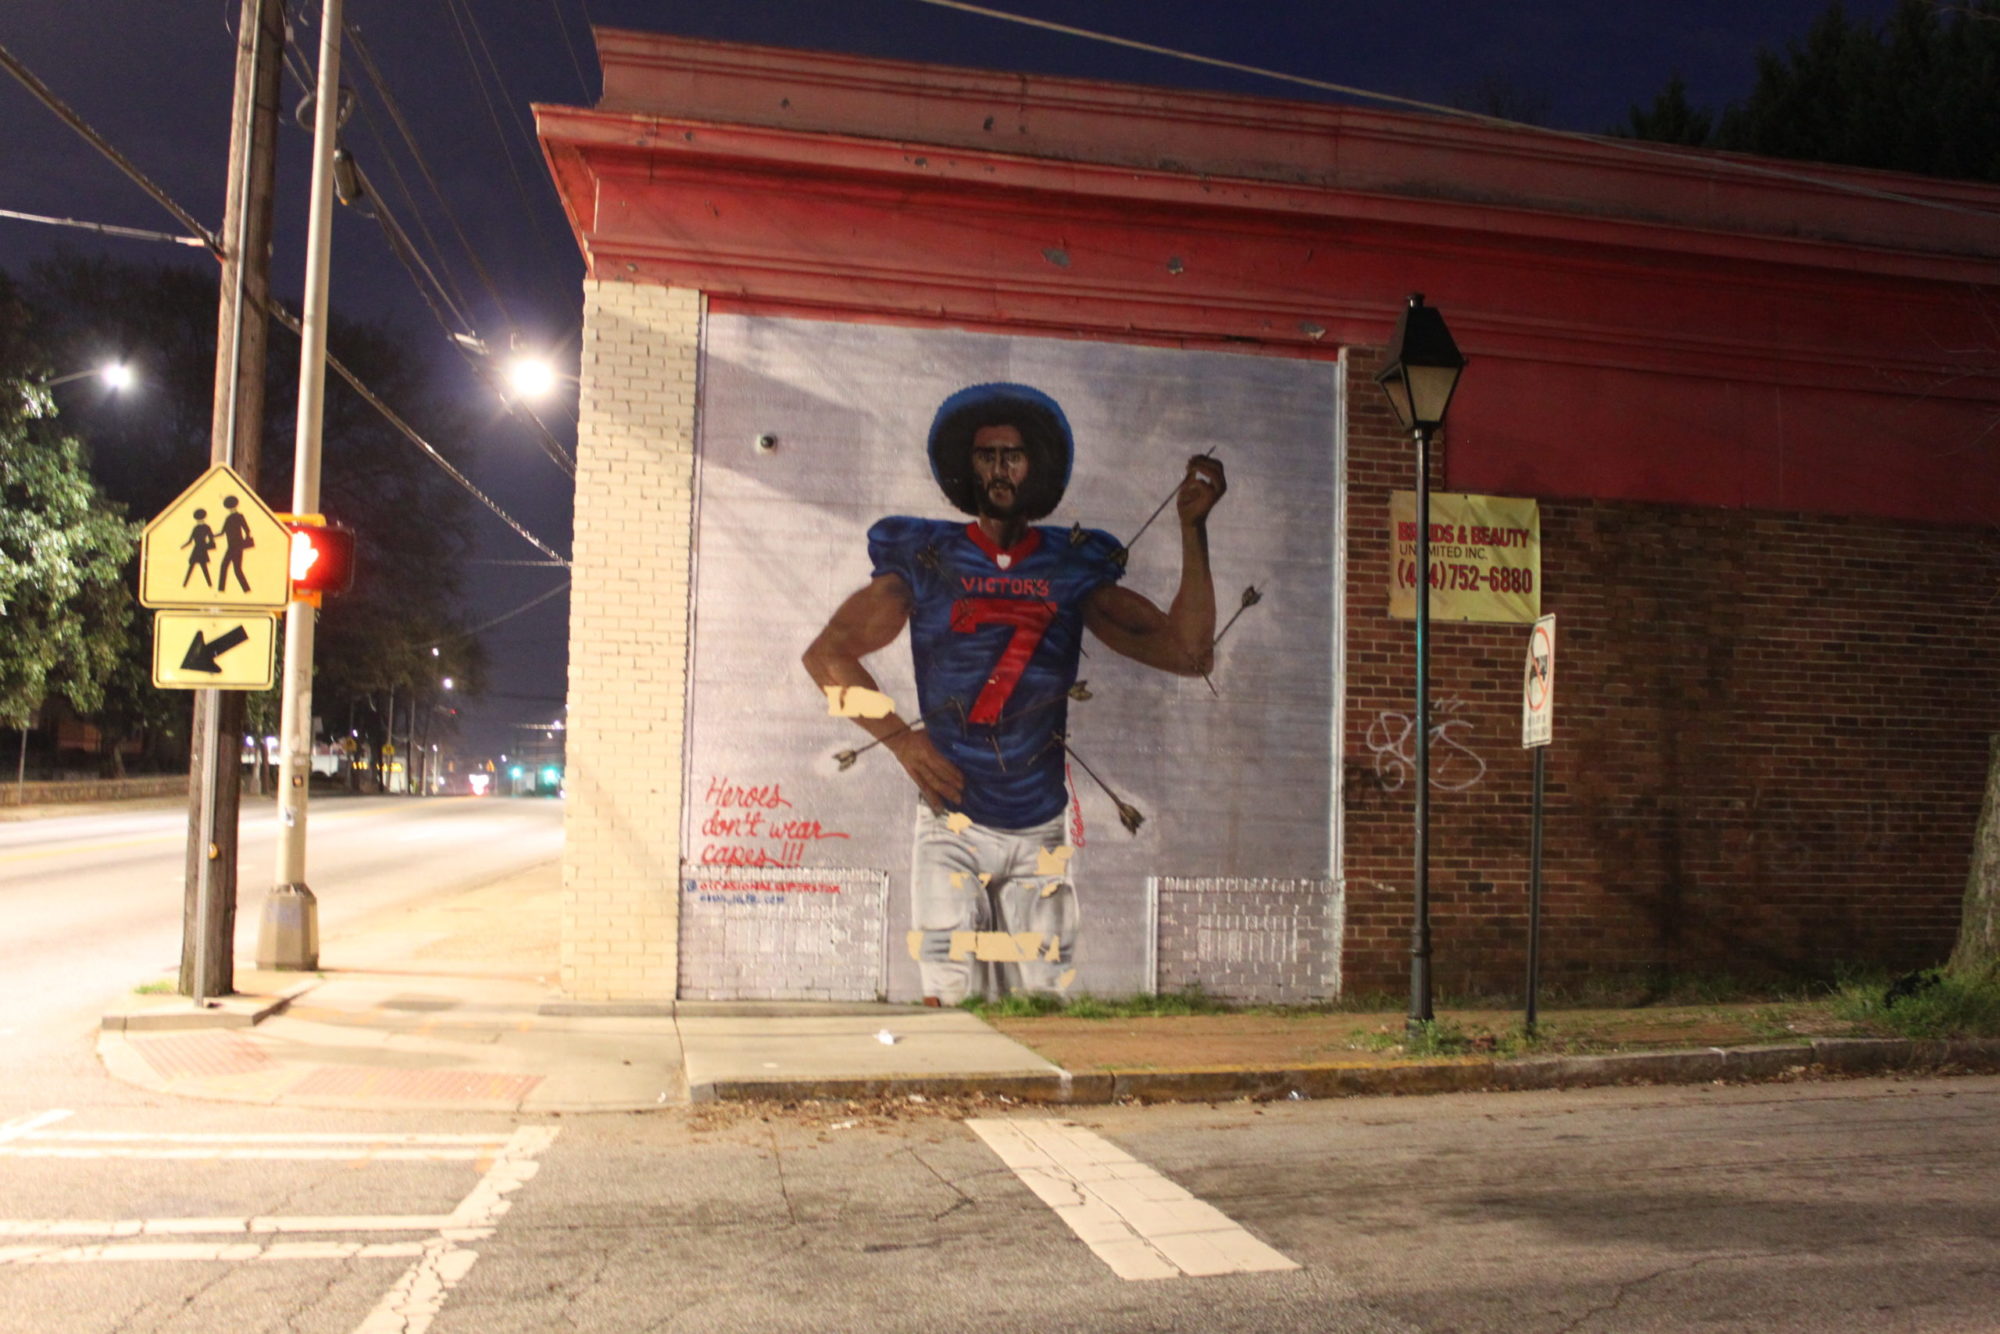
<point>1000,469</point>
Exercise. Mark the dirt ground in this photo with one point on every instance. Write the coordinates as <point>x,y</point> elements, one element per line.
<point>1279,1040</point>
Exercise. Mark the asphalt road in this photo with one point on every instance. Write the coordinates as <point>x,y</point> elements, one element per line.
<point>90,905</point>
<point>1791,1208</point>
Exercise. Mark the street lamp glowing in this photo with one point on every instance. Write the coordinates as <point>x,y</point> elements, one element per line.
<point>532,378</point>
<point>114,374</point>
<point>449,683</point>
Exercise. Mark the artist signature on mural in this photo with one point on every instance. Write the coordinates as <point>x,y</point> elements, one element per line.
<point>1455,765</point>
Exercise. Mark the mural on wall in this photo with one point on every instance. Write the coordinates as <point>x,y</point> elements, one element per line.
<point>996,609</point>
<point>902,538</point>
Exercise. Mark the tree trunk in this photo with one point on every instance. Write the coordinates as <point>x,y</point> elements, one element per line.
<point>1977,957</point>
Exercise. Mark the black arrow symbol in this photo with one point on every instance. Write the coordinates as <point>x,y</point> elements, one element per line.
<point>201,657</point>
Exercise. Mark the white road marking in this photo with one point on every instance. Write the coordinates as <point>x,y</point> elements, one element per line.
<point>23,1126</point>
<point>231,1251</point>
<point>211,1153</point>
<point>441,1259</point>
<point>139,1227</point>
<point>281,1137</point>
<point>1138,1222</point>
<point>410,1306</point>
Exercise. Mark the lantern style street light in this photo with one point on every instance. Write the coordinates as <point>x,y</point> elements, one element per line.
<point>1423,369</point>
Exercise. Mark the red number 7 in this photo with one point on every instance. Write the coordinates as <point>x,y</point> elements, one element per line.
<point>1030,621</point>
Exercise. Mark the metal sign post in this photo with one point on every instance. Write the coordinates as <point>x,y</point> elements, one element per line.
<point>1538,704</point>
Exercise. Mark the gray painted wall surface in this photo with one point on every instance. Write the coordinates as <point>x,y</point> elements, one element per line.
<point>1234,782</point>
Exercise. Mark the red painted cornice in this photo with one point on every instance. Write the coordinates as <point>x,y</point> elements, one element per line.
<point>1306,143</point>
<point>1653,324</point>
<point>779,219</point>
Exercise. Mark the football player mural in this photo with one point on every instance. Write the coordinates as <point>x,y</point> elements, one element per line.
<point>996,609</point>
<point>1087,730</point>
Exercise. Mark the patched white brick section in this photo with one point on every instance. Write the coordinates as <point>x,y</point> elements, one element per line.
<point>628,645</point>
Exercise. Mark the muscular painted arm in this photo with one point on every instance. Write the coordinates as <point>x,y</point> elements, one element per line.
<point>1180,639</point>
<point>867,622</point>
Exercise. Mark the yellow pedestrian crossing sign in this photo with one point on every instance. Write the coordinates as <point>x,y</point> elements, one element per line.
<point>218,546</point>
<point>215,650</point>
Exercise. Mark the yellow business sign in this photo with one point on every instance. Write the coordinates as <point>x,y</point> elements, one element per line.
<point>218,545</point>
<point>1485,558</point>
<point>215,650</point>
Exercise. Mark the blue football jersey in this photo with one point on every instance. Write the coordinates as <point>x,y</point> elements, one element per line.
<point>995,637</point>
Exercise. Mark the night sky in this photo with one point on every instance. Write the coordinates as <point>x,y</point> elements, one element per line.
<point>155,76</point>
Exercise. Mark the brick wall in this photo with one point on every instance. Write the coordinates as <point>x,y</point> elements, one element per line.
<point>628,641</point>
<point>755,934</point>
<point>1272,941</point>
<point>1769,750</point>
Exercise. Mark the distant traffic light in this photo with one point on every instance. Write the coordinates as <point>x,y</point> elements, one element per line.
<point>322,559</point>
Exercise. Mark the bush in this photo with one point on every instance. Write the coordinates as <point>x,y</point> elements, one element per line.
<point>1924,1005</point>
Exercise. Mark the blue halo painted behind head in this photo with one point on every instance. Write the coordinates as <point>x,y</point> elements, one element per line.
<point>1044,431</point>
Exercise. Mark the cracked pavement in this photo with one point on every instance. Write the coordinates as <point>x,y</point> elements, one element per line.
<point>1857,1205</point>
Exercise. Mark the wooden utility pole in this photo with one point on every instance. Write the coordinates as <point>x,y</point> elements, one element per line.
<point>208,914</point>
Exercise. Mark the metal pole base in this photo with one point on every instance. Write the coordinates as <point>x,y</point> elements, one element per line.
<point>288,936</point>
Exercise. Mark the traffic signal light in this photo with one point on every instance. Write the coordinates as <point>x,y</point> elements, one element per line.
<point>322,559</point>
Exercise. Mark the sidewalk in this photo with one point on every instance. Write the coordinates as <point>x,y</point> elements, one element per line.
<point>455,1005</point>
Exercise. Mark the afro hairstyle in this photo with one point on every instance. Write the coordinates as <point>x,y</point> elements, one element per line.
<point>1044,432</point>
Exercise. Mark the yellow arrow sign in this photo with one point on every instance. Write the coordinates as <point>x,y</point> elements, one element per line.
<point>218,545</point>
<point>205,650</point>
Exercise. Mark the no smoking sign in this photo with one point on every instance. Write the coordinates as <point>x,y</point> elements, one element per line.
<point>1538,689</point>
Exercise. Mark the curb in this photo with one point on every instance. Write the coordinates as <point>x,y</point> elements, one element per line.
<point>180,1012</point>
<point>1837,1056</point>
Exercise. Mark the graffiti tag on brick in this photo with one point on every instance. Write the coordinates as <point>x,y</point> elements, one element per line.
<point>1455,765</point>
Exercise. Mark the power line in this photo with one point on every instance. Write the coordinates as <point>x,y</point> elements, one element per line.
<point>503,617</point>
<point>583,81</point>
<point>1717,160</point>
<point>420,273</point>
<point>410,201</point>
<point>390,105</point>
<point>48,99</point>
<point>105,228</point>
<point>454,7</point>
<point>406,252</point>
<point>273,308</point>
<point>374,400</point>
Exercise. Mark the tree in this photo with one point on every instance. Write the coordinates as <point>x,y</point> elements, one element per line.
<point>1919,94</point>
<point>65,605</point>
<point>1671,119</point>
<point>1977,956</point>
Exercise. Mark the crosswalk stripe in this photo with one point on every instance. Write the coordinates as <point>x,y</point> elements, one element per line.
<point>140,1227</point>
<point>236,1251</point>
<point>210,1153</point>
<point>1135,1220</point>
<point>259,1137</point>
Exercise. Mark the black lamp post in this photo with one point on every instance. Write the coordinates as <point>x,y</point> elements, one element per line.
<point>1422,372</point>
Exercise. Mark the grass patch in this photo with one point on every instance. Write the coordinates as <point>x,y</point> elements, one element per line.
<point>1035,1005</point>
<point>1931,1004</point>
<point>164,986</point>
<point>1445,1037</point>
